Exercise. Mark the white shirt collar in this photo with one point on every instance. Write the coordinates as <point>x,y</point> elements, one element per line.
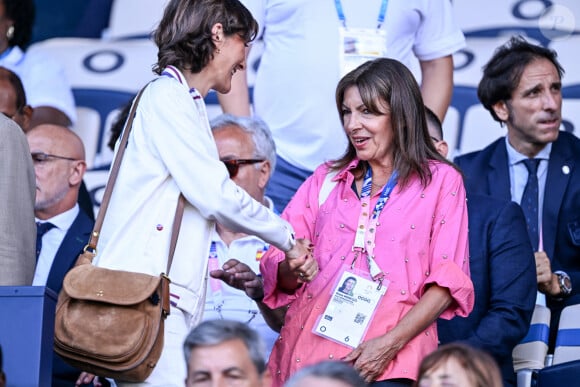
<point>515,157</point>
<point>64,220</point>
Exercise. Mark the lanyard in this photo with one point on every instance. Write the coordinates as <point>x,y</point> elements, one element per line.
<point>380,18</point>
<point>367,223</point>
<point>172,72</point>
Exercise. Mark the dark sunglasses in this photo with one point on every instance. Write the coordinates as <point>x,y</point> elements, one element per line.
<point>233,166</point>
<point>40,157</point>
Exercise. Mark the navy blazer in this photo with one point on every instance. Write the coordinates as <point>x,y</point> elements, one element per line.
<point>71,246</point>
<point>487,172</point>
<point>503,271</point>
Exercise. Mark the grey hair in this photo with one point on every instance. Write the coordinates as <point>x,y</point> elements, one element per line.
<point>335,370</point>
<point>214,332</point>
<point>264,146</point>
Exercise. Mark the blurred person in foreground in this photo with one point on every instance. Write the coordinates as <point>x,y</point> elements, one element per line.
<point>458,364</point>
<point>17,196</point>
<point>225,353</point>
<point>392,214</point>
<point>327,374</point>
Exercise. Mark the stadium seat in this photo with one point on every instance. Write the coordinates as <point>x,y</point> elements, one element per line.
<point>94,128</point>
<point>134,18</point>
<point>530,354</point>
<point>568,336</point>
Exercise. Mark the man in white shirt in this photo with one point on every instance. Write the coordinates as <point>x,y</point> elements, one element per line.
<point>63,229</point>
<point>246,147</point>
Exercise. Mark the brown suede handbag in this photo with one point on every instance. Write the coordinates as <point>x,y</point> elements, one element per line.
<point>110,322</point>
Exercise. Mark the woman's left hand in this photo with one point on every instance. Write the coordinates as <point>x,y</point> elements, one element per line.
<point>370,358</point>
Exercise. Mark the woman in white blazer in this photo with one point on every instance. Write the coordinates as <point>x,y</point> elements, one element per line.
<point>171,151</point>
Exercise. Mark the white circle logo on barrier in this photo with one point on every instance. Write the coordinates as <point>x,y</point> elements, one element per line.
<point>557,22</point>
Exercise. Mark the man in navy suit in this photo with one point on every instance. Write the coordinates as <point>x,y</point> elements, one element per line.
<point>521,88</point>
<point>59,164</point>
<point>501,262</point>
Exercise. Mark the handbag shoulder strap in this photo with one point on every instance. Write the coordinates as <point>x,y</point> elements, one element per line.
<point>111,182</point>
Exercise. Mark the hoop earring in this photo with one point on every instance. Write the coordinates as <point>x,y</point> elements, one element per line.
<point>10,33</point>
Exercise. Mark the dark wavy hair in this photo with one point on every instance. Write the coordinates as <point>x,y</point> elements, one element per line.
<point>22,13</point>
<point>502,73</point>
<point>388,81</point>
<point>184,35</point>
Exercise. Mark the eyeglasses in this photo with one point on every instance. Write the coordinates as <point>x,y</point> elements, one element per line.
<point>233,166</point>
<point>41,157</point>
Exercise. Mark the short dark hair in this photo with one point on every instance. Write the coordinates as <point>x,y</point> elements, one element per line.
<point>502,73</point>
<point>22,13</point>
<point>389,81</point>
<point>16,83</point>
<point>434,121</point>
<point>213,332</point>
<point>184,35</point>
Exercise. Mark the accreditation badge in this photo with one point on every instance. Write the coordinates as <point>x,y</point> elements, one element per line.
<point>351,307</point>
<point>359,45</point>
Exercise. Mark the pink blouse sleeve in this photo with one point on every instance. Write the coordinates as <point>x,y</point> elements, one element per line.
<point>449,248</point>
<point>301,213</point>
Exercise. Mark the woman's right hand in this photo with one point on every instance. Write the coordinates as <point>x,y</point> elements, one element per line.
<point>299,266</point>
<point>300,261</point>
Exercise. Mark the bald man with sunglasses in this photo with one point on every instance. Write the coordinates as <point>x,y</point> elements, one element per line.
<point>247,149</point>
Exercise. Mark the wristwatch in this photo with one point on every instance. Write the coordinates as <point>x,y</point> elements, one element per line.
<point>564,282</point>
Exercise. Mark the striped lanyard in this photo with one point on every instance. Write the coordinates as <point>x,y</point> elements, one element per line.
<point>173,72</point>
<point>380,18</point>
<point>364,241</point>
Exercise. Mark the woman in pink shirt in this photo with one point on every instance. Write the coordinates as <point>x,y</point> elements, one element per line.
<point>392,214</point>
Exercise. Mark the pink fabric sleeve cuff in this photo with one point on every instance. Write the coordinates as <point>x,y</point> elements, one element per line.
<point>449,275</point>
<point>274,297</point>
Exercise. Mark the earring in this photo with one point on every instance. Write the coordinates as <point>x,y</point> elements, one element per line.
<point>217,51</point>
<point>10,32</point>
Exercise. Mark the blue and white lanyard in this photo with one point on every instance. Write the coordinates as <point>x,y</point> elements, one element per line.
<point>380,18</point>
<point>364,241</point>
